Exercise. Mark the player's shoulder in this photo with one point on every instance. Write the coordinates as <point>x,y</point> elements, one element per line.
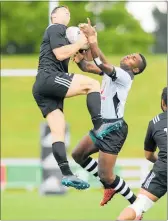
<point>121,71</point>
<point>158,118</point>
<point>56,27</point>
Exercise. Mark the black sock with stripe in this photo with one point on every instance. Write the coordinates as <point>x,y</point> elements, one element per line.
<point>121,187</point>
<point>91,166</point>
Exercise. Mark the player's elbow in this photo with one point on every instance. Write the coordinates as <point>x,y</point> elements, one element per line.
<point>149,155</point>
<point>86,68</point>
<point>90,68</point>
<point>59,56</point>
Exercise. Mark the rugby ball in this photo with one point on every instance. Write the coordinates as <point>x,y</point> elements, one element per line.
<point>73,35</point>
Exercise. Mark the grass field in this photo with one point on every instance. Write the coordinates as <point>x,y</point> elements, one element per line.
<point>20,120</point>
<point>20,117</point>
<point>73,206</point>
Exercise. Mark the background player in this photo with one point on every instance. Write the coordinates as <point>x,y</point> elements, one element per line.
<point>155,185</point>
<point>54,83</point>
<point>116,84</point>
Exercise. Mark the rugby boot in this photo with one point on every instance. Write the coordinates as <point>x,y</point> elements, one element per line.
<point>74,181</point>
<point>108,195</point>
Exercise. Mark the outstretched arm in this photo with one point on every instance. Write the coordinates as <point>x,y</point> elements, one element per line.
<point>85,65</point>
<point>102,57</point>
<point>100,61</point>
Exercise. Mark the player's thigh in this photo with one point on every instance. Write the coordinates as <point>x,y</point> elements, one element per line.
<point>80,85</point>
<point>113,142</point>
<point>84,148</point>
<point>56,122</point>
<point>52,110</point>
<point>148,194</point>
<point>52,83</point>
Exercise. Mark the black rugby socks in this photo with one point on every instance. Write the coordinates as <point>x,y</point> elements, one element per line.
<point>120,186</point>
<point>59,153</point>
<point>91,166</point>
<point>94,107</point>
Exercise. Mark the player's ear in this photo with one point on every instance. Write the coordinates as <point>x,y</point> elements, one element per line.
<point>136,70</point>
<point>163,105</point>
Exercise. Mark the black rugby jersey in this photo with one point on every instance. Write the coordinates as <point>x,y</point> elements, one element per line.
<point>157,136</point>
<point>54,37</point>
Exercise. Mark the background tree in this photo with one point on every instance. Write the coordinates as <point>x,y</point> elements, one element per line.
<point>118,31</point>
<point>22,28</point>
<point>160,33</point>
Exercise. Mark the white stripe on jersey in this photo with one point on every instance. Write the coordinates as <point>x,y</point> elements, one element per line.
<point>156,119</point>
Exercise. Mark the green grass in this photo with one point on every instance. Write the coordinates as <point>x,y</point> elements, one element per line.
<point>73,206</point>
<point>20,120</point>
<point>20,116</point>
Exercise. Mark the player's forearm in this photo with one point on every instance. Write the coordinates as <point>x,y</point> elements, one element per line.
<point>66,51</point>
<point>151,156</point>
<point>102,57</point>
<point>96,56</point>
<point>88,67</point>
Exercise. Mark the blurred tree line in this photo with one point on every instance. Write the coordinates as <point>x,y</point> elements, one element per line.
<point>160,33</point>
<point>23,24</point>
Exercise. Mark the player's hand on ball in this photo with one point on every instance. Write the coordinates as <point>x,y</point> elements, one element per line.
<point>82,40</point>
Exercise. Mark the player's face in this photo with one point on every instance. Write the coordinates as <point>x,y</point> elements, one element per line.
<point>64,15</point>
<point>132,61</point>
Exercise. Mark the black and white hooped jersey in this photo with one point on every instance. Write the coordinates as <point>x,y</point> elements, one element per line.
<point>114,92</point>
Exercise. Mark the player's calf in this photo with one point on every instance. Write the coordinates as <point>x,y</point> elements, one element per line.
<point>117,186</point>
<point>56,123</point>
<point>112,184</point>
<point>81,155</point>
<point>87,163</point>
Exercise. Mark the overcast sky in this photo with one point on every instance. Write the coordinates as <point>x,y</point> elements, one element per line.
<point>143,12</point>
